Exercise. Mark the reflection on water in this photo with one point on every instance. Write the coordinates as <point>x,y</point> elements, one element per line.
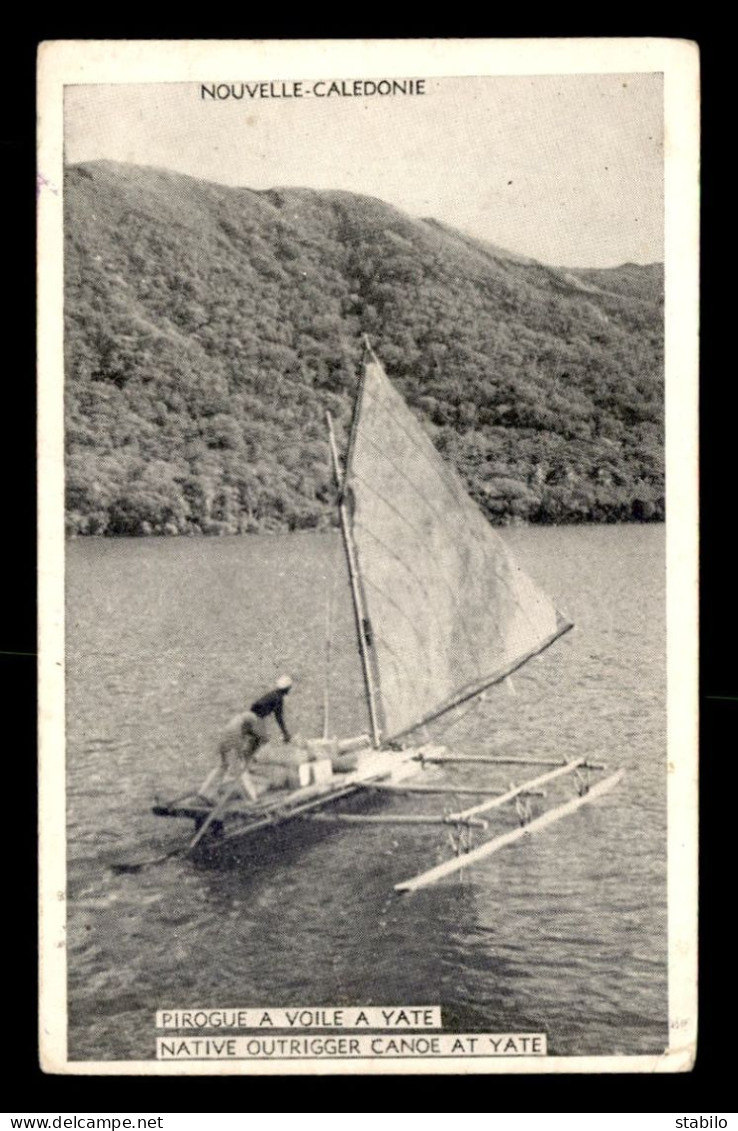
<point>563,933</point>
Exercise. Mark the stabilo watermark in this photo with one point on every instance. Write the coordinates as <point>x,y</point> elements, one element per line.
<point>704,1122</point>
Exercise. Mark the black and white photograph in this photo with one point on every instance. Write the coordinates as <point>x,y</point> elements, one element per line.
<point>367,464</point>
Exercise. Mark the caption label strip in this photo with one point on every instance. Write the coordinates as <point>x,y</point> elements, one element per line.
<point>390,1031</point>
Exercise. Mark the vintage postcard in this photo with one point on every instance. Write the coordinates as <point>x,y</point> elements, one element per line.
<point>367,452</point>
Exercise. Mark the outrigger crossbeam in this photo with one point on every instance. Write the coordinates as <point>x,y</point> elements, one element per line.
<point>458,790</point>
<point>516,791</point>
<point>484,850</point>
<point>398,819</point>
<point>482,760</point>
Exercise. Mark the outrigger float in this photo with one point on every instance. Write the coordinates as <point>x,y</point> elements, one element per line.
<point>442,614</point>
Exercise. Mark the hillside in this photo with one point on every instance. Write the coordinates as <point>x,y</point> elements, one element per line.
<point>208,328</point>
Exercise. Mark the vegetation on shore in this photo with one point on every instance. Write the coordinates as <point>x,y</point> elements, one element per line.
<point>207,330</point>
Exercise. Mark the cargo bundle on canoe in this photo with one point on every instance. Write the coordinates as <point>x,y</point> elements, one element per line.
<point>442,613</point>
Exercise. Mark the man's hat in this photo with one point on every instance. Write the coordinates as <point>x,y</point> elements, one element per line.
<point>284,683</point>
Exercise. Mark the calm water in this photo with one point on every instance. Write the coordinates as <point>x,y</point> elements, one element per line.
<point>564,933</point>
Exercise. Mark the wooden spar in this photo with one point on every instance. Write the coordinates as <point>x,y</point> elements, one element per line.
<point>390,787</point>
<point>397,819</point>
<point>524,788</point>
<point>277,816</point>
<point>359,611</point>
<point>484,850</point>
<point>443,760</point>
<point>216,812</point>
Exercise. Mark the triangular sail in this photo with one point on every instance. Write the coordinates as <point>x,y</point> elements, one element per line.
<point>449,612</point>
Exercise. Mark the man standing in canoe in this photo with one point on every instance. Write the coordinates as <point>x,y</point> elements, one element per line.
<point>246,732</point>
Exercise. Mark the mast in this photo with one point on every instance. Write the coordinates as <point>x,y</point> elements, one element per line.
<point>359,610</point>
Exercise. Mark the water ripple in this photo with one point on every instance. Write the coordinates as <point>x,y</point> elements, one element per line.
<point>565,933</point>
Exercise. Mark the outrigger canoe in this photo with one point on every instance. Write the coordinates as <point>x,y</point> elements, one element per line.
<point>442,613</point>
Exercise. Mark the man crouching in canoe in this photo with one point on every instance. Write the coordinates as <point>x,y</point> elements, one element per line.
<point>246,732</point>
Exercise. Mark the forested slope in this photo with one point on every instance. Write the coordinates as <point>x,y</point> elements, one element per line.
<point>208,328</point>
